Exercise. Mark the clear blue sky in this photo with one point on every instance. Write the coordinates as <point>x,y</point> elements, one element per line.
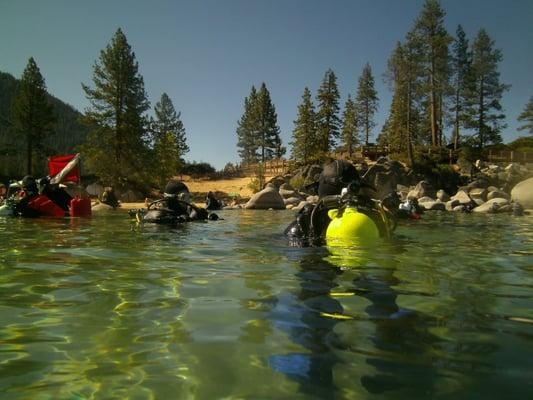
<point>207,54</point>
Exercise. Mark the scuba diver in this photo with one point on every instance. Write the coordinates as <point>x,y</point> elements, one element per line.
<point>211,202</point>
<point>39,198</point>
<point>108,197</point>
<point>341,200</point>
<point>174,207</point>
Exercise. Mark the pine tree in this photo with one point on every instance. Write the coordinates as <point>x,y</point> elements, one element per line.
<point>167,154</point>
<point>527,117</point>
<point>33,115</point>
<point>327,116</point>
<point>485,113</point>
<point>402,127</point>
<point>116,147</point>
<point>430,40</point>
<point>350,124</point>
<point>267,132</point>
<point>258,133</point>
<point>168,120</point>
<point>246,130</point>
<point>366,102</point>
<point>304,133</point>
<point>462,61</point>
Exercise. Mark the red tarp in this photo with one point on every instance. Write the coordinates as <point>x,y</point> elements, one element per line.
<point>57,163</point>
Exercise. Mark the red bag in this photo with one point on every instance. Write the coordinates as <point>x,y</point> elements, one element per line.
<point>80,207</point>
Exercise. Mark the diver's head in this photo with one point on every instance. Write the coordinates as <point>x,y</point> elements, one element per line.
<point>29,184</point>
<point>336,176</point>
<point>177,190</point>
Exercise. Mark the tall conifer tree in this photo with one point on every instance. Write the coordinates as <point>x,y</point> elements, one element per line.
<point>304,139</point>
<point>33,116</point>
<point>430,40</point>
<point>402,128</point>
<point>527,117</point>
<point>116,147</point>
<point>167,120</point>
<point>485,113</point>
<point>462,61</point>
<point>267,132</point>
<point>366,102</point>
<point>246,130</point>
<point>350,126</point>
<point>328,121</point>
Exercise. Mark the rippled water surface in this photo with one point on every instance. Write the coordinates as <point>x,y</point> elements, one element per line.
<point>106,309</point>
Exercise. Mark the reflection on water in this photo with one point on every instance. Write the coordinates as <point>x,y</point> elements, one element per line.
<point>104,308</point>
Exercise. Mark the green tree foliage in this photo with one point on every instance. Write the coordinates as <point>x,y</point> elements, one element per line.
<point>366,102</point>
<point>403,126</point>
<point>350,126</point>
<point>304,132</point>
<point>167,120</point>
<point>33,116</point>
<point>167,155</point>
<point>69,133</point>
<point>430,40</point>
<point>485,113</point>
<point>268,133</point>
<point>328,121</point>
<point>116,148</point>
<point>461,72</point>
<point>527,117</point>
<point>258,133</point>
<point>246,130</point>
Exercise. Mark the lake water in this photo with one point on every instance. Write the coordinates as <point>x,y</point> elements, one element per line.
<point>106,309</point>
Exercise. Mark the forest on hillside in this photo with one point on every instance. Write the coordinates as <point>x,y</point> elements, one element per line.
<point>69,132</point>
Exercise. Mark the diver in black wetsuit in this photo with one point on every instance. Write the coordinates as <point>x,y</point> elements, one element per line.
<point>211,202</point>
<point>338,187</point>
<point>175,207</point>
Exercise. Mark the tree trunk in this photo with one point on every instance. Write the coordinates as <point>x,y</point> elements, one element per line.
<point>481,114</point>
<point>456,125</point>
<point>29,154</point>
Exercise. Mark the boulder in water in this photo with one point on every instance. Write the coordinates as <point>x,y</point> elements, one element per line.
<point>523,193</point>
<point>491,206</point>
<point>268,198</point>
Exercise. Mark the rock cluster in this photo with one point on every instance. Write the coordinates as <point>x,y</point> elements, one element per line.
<point>490,189</point>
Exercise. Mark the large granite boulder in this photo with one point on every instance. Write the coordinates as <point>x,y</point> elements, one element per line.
<point>442,196</point>
<point>433,206</point>
<point>95,189</point>
<point>292,201</point>
<point>478,193</point>
<point>498,194</point>
<point>462,197</point>
<point>422,189</point>
<point>491,206</point>
<point>287,191</point>
<point>523,193</point>
<point>267,198</point>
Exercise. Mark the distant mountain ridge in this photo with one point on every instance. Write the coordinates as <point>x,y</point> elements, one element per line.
<point>69,131</point>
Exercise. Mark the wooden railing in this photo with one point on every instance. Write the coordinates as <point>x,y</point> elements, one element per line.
<point>270,168</point>
<point>509,156</point>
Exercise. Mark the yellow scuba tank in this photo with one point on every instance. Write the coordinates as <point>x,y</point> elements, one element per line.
<point>351,225</point>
